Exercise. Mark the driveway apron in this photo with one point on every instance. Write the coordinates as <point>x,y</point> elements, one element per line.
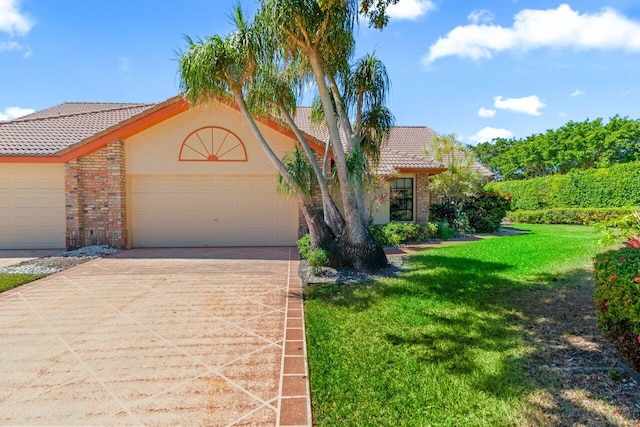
<point>211,336</point>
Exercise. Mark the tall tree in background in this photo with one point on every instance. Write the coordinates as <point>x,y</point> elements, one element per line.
<point>290,42</point>
<point>574,146</point>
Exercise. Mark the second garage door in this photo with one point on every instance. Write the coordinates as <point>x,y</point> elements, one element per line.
<point>210,210</point>
<point>32,206</point>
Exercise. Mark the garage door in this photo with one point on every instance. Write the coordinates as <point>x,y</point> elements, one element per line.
<point>192,211</point>
<point>32,207</point>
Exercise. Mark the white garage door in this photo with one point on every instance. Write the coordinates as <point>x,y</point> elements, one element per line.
<point>32,207</point>
<point>210,210</point>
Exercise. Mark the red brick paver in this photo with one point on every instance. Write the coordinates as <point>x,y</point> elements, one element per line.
<point>160,336</point>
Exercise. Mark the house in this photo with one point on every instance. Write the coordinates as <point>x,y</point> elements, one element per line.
<point>170,175</point>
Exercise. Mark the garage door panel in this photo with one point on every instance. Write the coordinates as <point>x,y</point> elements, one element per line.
<point>32,211</point>
<point>210,211</point>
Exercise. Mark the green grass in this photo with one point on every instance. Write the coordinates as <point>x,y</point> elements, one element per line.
<point>8,281</point>
<point>442,344</point>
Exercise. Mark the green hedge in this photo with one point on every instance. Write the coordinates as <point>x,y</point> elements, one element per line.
<point>617,186</point>
<point>578,216</point>
<point>617,299</point>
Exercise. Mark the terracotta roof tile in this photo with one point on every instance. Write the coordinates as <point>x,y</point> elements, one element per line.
<point>49,131</point>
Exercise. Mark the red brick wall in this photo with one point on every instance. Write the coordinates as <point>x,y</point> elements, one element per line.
<point>96,198</point>
<point>423,197</point>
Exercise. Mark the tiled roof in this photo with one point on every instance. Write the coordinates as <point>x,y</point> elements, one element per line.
<point>405,148</point>
<point>49,131</point>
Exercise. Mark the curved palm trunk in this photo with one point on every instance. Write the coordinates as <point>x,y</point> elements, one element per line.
<point>332,214</point>
<point>321,235</point>
<point>358,244</point>
<point>353,140</point>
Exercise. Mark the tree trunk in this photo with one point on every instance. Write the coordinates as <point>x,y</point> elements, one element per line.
<point>321,235</point>
<point>359,246</point>
<point>333,216</point>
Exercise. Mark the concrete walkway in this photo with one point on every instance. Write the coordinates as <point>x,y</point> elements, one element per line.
<point>158,336</point>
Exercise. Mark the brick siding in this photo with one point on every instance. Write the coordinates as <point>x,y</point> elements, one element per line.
<point>96,198</point>
<point>423,197</point>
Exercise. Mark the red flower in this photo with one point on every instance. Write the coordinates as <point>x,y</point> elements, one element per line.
<point>638,338</point>
<point>637,280</point>
<point>621,259</point>
<point>612,277</point>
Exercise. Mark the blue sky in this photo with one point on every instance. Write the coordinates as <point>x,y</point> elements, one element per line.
<point>478,69</point>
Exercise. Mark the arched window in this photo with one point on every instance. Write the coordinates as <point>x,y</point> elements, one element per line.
<point>212,144</point>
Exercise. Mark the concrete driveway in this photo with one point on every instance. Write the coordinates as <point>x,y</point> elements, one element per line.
<point>158,336</point>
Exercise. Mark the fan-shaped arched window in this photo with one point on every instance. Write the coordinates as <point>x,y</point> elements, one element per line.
<point>212,144</point>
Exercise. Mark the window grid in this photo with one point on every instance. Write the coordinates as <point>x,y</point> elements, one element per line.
<point>401,200</point>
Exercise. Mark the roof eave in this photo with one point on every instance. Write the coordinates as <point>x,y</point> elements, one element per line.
<point>124,129</point>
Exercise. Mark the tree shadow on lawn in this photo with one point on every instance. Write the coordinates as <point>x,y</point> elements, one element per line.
<point>457,313</point>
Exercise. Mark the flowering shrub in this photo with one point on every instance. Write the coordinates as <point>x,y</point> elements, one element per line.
<point>617,299</point>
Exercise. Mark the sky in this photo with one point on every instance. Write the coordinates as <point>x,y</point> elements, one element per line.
<point>478,69</point>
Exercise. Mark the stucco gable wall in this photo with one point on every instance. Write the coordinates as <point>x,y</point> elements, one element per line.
<point>156,150</point>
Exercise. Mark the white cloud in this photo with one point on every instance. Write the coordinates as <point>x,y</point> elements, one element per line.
<point>489,134</point>
<point>578,92</point>
<point>12,20</point>
<point>7,46</point>
<point>528,105</point>
<point>481,16</point>
<point>10,113</point>
<point>533,29</point>
<point>486,112</point>
<point>410,9</point>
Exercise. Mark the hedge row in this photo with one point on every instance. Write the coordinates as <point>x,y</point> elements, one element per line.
<point>578,216</point>
<point>617,299</point>
<point>617,186</point>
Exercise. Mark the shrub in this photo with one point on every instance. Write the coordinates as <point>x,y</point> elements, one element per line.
<point>486,210</point>
<point>445,232</point>
<point>482,212</point>
<point>617,300</point>
<point>304,246</point>
<point>623,227</point>
<point>577,216</point>
<point>317,258</point>
<point>428,230</point>
<point>401,232</point>
<point>445,211</point>
<point>617,186</point>
<point>397,233</point>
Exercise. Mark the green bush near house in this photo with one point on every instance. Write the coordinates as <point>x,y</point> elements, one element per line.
<point>304,245</point>
<point>617,186</point>
<point>397,233</point>
<point>317,258</point>
<point>478,213</point>
<point>577,216</point>
<point>617,299</point>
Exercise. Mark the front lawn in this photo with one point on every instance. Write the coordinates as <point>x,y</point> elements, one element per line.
<point>444,344</point>
<point>8,281</point>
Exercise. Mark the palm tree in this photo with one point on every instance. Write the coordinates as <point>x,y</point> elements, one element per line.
<point>219,67</point>
<point>259,65</point>
<point>320,36</point>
